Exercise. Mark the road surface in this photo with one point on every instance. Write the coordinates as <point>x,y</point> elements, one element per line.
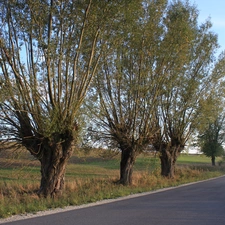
<point>197,204</point>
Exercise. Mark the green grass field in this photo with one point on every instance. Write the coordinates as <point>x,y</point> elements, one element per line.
<point>194,159</point>
<point>89,178</point>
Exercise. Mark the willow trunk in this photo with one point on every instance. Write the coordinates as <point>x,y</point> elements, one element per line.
<point>168,160</point>
<point>126,166</point>
<point>54,160</point>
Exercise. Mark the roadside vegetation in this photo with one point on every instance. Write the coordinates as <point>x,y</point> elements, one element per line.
<point>135,76</point>
<point>125,74</point>
<point>90,177</point>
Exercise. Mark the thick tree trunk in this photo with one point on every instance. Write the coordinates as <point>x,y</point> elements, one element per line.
<point>168,161</point>
<point>52,179</point>
<point>53,167</point>
<point>126,166</point>
<point>213,160</point>
<point>53,153</point>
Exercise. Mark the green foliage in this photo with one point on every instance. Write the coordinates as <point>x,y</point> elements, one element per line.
<point>212,149</point>
<point>150,88</point>
<point>212,138</point>
<point>49,53</point>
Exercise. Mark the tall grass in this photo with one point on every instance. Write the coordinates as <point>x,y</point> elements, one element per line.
<point>89,180</point>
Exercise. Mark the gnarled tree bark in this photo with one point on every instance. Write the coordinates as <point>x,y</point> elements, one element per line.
<point>128,158</point>
<point>53,154</point>
<point>53,168</point>
<point>168,161</point>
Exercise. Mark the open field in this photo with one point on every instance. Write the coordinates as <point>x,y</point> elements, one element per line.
<point>89,178</point>
<point>194,159</point>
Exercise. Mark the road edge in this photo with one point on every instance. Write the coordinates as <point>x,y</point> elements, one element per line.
<point>105,201</point>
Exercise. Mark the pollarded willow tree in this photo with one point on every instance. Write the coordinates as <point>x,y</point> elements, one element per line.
<point>49,52</point>
<point>127,87</point>
<point>186,62</point>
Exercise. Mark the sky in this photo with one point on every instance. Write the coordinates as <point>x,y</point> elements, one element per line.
<point>215,9</point>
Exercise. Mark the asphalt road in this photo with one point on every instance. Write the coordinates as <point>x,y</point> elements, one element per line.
<point>197,204</point>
